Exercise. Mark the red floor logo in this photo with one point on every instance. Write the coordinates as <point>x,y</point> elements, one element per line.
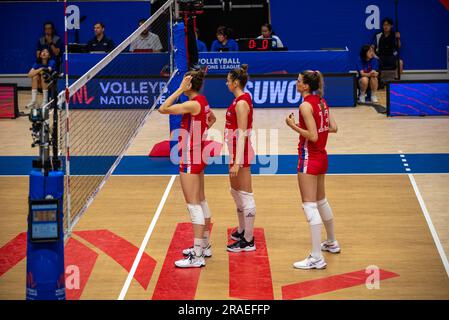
<point>80,259</point>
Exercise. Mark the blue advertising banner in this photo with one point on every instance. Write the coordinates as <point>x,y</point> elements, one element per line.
<point>273,91</point>
<point>118,93</point>
<point>423,25</point>
<point>22,25</point>
<point>418,98</point>
<point>277,61</point>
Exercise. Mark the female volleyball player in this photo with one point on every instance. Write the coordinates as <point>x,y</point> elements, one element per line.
<point>239,122</point>
<point>196,118</point>
<point>314,125</point>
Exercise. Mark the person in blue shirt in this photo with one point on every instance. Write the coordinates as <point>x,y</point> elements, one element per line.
<point>223,43</point>
<point>200,44</point>
<point>368,70</point>
<point>43,62</point>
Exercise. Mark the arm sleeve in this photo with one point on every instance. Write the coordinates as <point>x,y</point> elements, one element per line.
<point>51,65</point>
<point>214,46</point>
<point>375,64</point>
<point>235,46</point>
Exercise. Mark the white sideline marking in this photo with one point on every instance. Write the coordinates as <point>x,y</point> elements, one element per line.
<point>146,239</point>
<point>434,233</point>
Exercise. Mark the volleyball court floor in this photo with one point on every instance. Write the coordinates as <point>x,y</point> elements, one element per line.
<point>387,184</point>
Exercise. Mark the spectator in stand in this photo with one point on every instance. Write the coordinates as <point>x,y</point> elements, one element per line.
<point>44,61</point>
<point>368,70</point>
<point>267,32</point>
<point>386,45</point>
<point>100,43</point>
<point>51,42</point>
<point>223,42</point>
<point>146,42</point>
<point>200,44</point>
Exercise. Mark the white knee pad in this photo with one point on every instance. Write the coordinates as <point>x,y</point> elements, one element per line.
<point>247,200</point>
<point>325,210</point>
<point>196,213</point>
<point>312,214</point>
<point>236,196</point>
<point>206,211</point>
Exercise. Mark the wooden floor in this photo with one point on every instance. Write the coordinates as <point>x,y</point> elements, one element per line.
<point>379,220</point>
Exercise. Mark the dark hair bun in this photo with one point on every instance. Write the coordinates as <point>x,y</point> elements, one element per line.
<point>244,68</point>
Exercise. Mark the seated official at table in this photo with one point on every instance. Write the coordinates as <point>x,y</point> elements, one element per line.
<point>200,44</point>
<point>223,43</point>
<point>146,42</point>
<point>100,43</point>
<point>267,32</point>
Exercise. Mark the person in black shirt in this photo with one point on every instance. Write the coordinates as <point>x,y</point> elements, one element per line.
<point>100,43</point>
<point>386,44</point>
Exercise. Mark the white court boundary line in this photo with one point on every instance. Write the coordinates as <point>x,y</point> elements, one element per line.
<point>433,231</point>
<point>146,239</point>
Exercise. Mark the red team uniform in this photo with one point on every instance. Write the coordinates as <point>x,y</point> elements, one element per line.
<point>313,155</point>
<point>231,131</point>
<point>192,137</point>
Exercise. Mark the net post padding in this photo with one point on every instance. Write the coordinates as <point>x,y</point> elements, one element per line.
<point>181,64</point>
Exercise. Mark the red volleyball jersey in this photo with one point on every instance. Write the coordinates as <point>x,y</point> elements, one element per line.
<point>308,148</point>
<point>232,126</point>
<point>192,136</point>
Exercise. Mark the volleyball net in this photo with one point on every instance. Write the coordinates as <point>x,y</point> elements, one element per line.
<point>102,110</point>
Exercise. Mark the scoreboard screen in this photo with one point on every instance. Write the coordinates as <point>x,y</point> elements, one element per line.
<point>255,44</point>
<point>43,220</point>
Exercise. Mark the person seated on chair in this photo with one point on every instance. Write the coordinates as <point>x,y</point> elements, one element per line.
<point>100,43</point>
<point>367,69</point>
<point>146,42</point>
<point>43,62</point>
<point>386,45</point>
<point>267,32</point>
<point>223,43</point>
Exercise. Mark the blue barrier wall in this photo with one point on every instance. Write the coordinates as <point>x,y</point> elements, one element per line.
<point>21,25</point>
<point>424,26</point>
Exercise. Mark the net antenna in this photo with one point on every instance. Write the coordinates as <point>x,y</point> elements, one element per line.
<point>94,135</point>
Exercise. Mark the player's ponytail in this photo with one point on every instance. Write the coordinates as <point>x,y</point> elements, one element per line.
<point>316,83</point>
<point>320,90</point>
<point>240,74</point>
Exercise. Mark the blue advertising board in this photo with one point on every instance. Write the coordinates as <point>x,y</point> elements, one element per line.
<point>268,91</point>
<point>277,61</point>
<point>418,98</point>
